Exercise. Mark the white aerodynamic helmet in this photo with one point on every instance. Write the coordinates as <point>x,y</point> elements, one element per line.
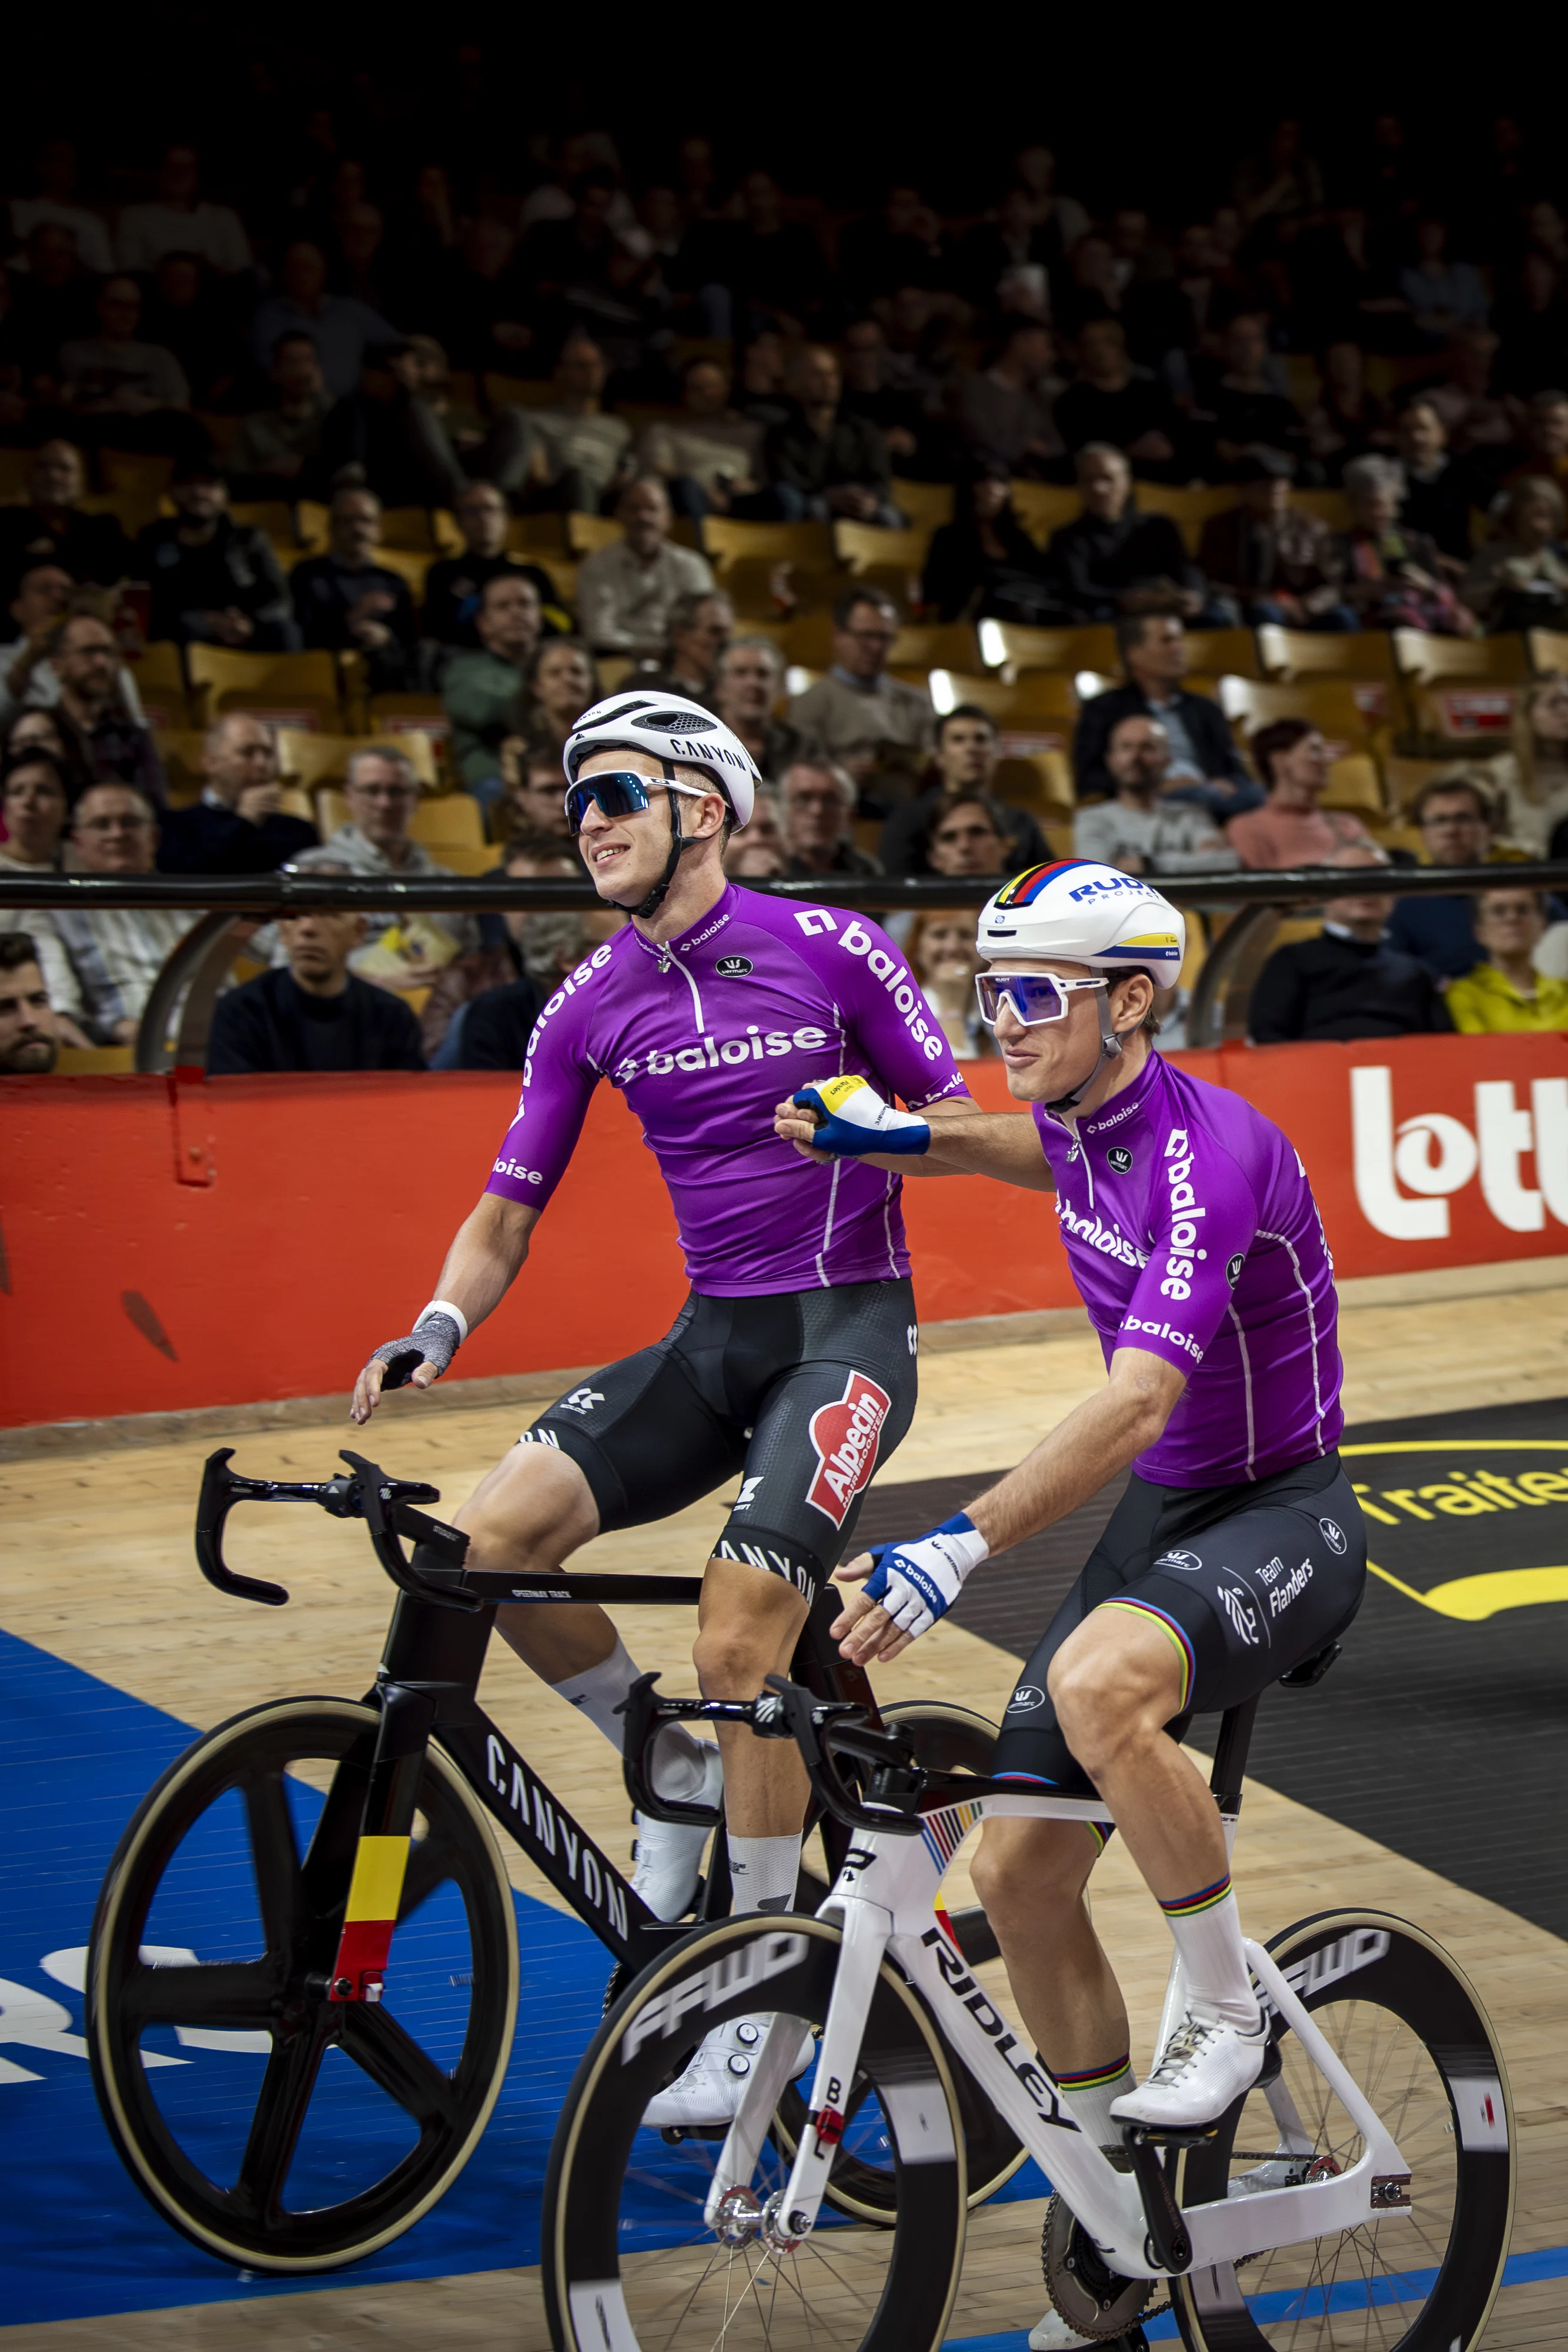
<point>673,730</point>
<point>1085,913</point>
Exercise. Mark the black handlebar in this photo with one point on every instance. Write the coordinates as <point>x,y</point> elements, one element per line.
<point>365,1493</point>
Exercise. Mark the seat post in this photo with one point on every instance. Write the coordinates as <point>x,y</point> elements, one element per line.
<point>1230,1756</point>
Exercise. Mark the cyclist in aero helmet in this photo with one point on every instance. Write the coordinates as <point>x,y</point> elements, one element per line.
<point>1238,1550</point>
<point>792,1364</point>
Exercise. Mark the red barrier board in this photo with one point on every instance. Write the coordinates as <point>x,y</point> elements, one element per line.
<point>168,1244</point>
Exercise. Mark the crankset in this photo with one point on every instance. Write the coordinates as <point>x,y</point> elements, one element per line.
<point>1096,2302</point>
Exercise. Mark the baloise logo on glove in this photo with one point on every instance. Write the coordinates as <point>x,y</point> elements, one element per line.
<point>845,1435</point>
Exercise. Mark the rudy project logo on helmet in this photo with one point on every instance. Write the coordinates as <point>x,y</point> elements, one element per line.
<point>845,1435</point>
<point>1334,1537</point>
<point>733,967</point>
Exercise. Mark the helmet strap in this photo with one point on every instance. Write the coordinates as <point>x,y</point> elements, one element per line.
<point>1110,1050</point>
<point>678,842</point>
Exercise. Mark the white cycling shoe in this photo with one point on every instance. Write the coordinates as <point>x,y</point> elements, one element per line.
<point>1206,2064</point>
<point>670,1854</point>
<point>712,2088</point>
<point>1053,2334</point>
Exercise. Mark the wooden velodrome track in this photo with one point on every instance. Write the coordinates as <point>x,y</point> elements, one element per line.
<point>123,1601</point>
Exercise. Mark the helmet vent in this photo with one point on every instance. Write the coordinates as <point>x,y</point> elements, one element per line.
<point>680,722</point>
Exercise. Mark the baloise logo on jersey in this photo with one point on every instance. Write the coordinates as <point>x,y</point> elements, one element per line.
<point>845,1435</point>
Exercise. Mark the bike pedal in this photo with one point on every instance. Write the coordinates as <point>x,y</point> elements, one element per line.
<point>674,2133</point>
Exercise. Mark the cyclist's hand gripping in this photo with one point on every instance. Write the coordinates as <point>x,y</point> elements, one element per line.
<point>905,1589</point>
<point>415,1362</point>
<point>845,1117</point>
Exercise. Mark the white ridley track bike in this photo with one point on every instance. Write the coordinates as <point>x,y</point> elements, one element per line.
<point>1360,2196</point>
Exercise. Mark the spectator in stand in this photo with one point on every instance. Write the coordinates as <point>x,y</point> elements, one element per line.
<point>763,398</point>
<point>1140,830</point>
<point>48,302</point>
<point>964,840</point>
<point>559,684</point>
<point>778,274</point>
<point>940,949</point>
<point>1110,400</point>
<point>1346,420</point>
<point>416,443</point>
<point>1436,490</point>
<point>188,312</point>
<point>1111,559</point>
<point>345,333</point>
<point>346,601</point>
<point>496,1026</point>
<point>875,725</point>
<point>817,799</point>
<point>1015,250</point>
<point>1276,561</point>
<point>311,1012</point>
<point>43,598</point>
<point>1530,782</point>
<point>984,565</point>
<point>626,590</point>
<point>1248,401</point>
<point>51,528</point>
<point>132,394</point>
<point>1003,414</point>
<point>1475,419</point>
<point>117,951</point>
<point>30,1033</point>
<point>967,752</point>
<point>37,730</point>
<point>1533,324</point>
<point>238,825</point>
<point>1349,982</point>
<point>533,797</point>
<point>1090,287</point>
<point>1442,295</point>
<point>822,461</point>
<point>1206,767</point>
<point>480,688</point>
<point>898,413</point>
<point>276,452</point>
<point>215,581</point>
<point>747,683</point>
<point>582,458</point>
<point>1543,444</point>
<point>1457,817</point>
<point>1282,184</point>
<point>105,740</point>
<point>36,810</point>
<point>178,221</point>
<point>1290,829</point>
<point>759,853</point>
<point>1519,580</point>
<point>1503,991</point>
<point>1392,578</point>
<point>709,456</point>
<point>904,246</point>
<point>497,961</point>
<point>55,206</point>
<point>383,792</point>
<point>700,628</point>
<point>453,586</point>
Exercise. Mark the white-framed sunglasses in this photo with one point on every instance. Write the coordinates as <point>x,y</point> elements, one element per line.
<point>1032,998</point>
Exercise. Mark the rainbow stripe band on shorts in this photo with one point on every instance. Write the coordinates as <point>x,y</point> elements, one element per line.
<point>1184,1647</point>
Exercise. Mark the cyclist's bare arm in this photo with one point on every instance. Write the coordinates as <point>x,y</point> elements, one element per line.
<point>487,1256</point>
<point>965,1141</point>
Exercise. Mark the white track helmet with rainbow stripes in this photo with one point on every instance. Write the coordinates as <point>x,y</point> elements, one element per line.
<point>1082,912</point>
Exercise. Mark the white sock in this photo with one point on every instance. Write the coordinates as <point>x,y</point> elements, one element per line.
<point>763,1872</point>
<point>679,1758</point>
<point>1207,1930</point>
<point>1089,2095</point>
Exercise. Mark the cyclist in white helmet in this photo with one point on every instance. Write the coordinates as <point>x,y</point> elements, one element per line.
<point>791,1367</point>
<point>1238,1550</point>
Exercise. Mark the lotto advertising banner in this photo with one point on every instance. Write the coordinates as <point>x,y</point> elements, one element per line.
<point>166,1244</point>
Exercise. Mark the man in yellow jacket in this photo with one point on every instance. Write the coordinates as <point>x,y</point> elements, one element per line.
<point>1506,992</point>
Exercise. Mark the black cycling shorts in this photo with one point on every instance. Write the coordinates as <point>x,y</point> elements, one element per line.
<point>801,1394</point>
<point>1247,1582</point>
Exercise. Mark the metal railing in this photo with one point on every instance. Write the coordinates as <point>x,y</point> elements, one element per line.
<point>174,1028</point>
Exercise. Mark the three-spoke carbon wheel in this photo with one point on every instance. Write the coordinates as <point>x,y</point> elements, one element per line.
<point>630,2260</point>
<point>947,1738</point>
<point>1393,2006</point>
<point>279,2129</point>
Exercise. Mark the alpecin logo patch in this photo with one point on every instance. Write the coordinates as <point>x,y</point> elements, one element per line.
<point>845,1435</point>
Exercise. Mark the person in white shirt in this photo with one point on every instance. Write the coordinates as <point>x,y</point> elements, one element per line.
<point>1137,831</point>
<point>178,221</point>
<point>626,592</point>
<point>118,951</point>
<point>54,206</point>
<point>37,812</point>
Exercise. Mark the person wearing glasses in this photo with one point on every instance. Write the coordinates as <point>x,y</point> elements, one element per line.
<point>1236,1550</point>
<point>117,953</point>
<point>383,792</point>
<point>791,1367</point>
<point>877,727</point>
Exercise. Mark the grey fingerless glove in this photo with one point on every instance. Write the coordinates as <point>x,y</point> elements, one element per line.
<point>434,1340</point>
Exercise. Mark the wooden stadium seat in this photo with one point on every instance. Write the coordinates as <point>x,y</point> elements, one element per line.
<point>397,714</point>
<point>1042,701</point>
<point>1474,715</point>
<point>141,474</point>
<point>1044,507</point>
<point>159,673</point>
<point>1041,781</point>
<point>463,857</point>
<point>1329,703</point>
<point>806,642</point>
<point>1303,378</point>
<point>274,517</point>
<point>937,644</point>
<point>298,689</point>
<point>810,544</point>
<point>1329,506</point>
<point>221,430</point>
<point>1402,779</point>
<point>315,758</point>
<point>412,528</point>
<point>94,1061</point>
<point>451,821</point>
<point>860,546</point>
<point>180,749</point>
<point>928,505</point>
<point>1430,660</point>
<point>1354,784</point>
<point>134,509</point>
<point>14,465</point>
<point>1189,510</point>
<point>1011,646</point>
<point>1548,650</point>
<point>586,533</point>
<point>408,566</point>
<point>1222,652</point>
<point>519,391</point>
<point>311,522</point>
<point>1325,653</point>
<point>543,535</point>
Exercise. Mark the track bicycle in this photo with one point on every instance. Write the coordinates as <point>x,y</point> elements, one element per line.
<point>1360,2195</point>
<point>303,1981</point>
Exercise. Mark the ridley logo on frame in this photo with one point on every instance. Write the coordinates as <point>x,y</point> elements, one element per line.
<point>845,1435</point>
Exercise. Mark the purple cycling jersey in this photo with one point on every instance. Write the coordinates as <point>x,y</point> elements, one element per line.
<point>704,1036</point>
<point>1192,1232</point>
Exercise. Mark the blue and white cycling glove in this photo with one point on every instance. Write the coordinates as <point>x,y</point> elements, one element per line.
<point>918,1582</point>
<point>854,1119</point>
